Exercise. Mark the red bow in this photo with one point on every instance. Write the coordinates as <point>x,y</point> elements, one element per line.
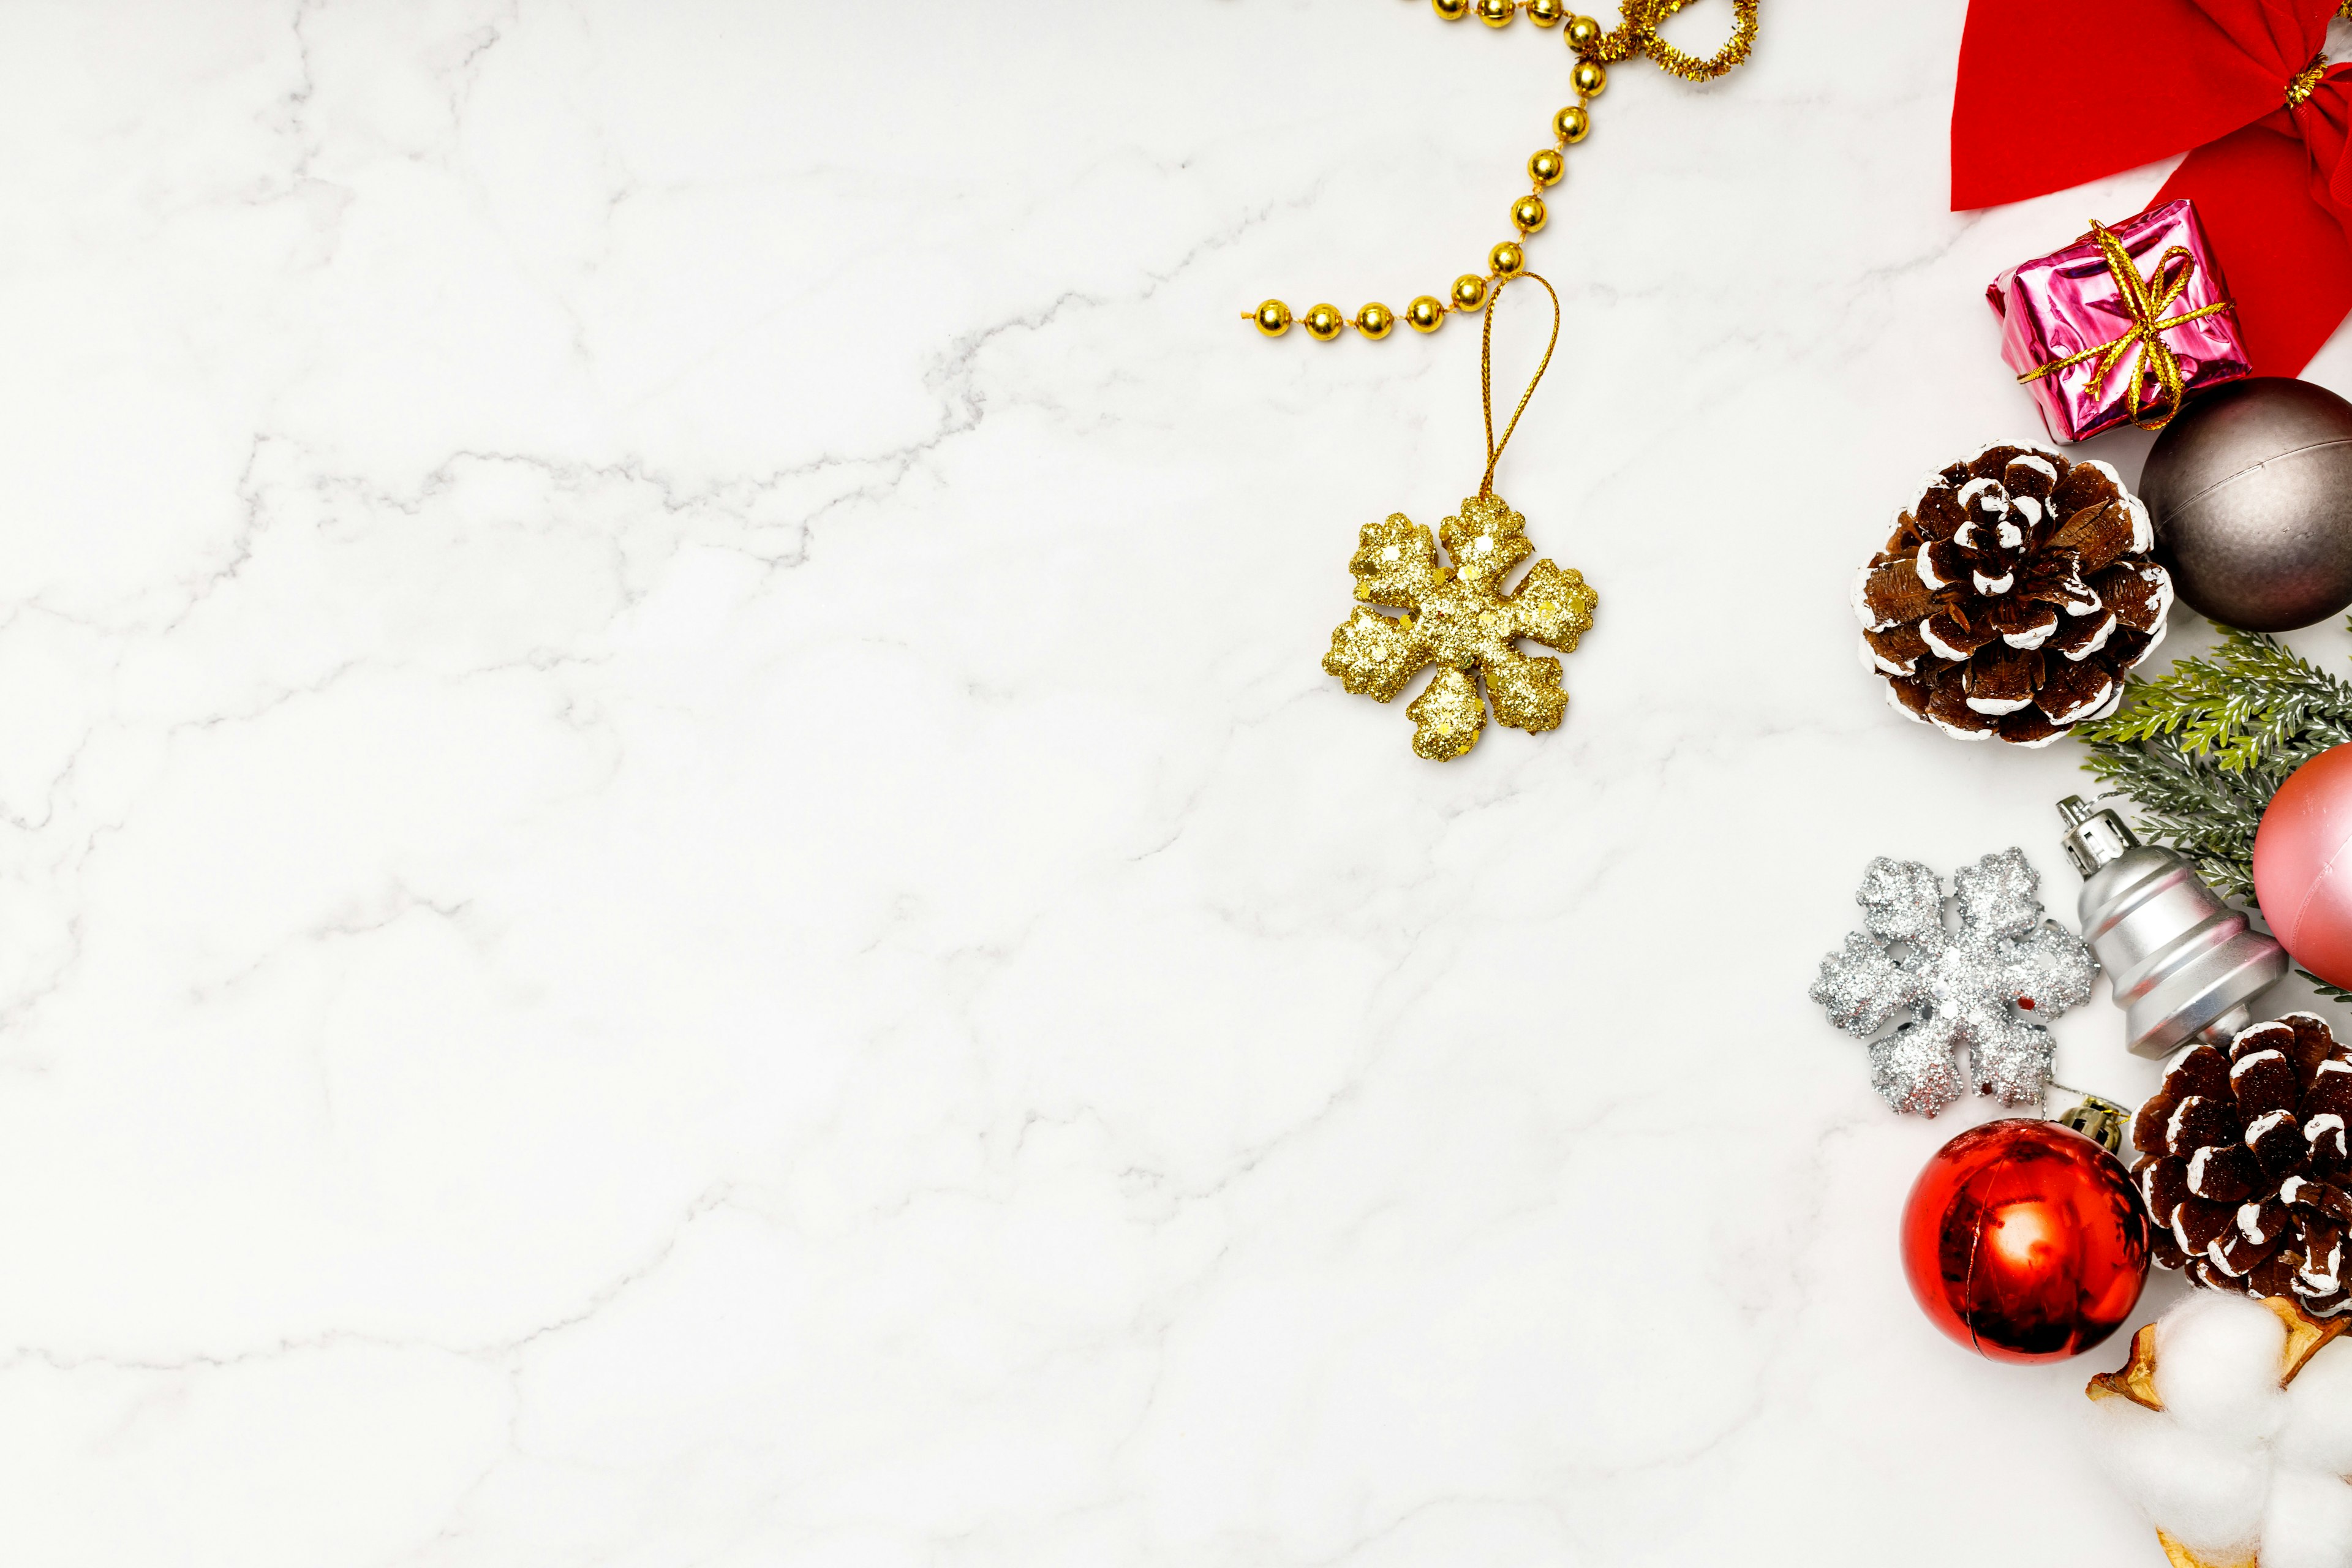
<point>2055,93</point>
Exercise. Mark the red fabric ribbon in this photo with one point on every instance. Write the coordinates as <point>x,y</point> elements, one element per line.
<point>2055,93</point>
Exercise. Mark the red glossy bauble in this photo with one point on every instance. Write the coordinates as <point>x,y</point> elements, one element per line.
<point>2024,1241</point>
<point>2303,878</point>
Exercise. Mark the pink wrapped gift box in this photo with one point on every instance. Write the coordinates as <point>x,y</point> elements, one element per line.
<point>2072,305</point>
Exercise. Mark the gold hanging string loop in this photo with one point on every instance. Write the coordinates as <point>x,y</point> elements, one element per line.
<point>1486,373</point>
<point>1638,35</point>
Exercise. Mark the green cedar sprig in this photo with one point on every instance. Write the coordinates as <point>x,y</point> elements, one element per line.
<point>2202,749</point>
<point>2206,813</point>
<point>2248,705</point>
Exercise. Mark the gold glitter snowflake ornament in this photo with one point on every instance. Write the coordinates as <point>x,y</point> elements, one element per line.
<point>1461,619</point>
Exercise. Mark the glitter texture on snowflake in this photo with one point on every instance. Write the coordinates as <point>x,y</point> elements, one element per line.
<point>1460,619</point>
<point>1968,990</point>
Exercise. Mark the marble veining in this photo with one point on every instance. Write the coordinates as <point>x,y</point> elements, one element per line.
<point>677,885</point>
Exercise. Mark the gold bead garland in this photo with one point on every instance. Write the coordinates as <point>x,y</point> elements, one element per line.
<point>1595,50</point>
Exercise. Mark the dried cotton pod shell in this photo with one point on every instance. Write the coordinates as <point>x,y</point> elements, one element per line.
<point>2231,1426</point>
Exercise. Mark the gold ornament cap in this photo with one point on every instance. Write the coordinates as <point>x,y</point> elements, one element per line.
<point>2100,1120</point>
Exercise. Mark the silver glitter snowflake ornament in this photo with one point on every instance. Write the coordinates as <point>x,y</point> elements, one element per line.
<point>1968,990</point>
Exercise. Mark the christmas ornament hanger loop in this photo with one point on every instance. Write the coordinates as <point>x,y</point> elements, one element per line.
<point>1486,374</point>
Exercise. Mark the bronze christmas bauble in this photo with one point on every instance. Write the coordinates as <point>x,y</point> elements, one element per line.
<point>2251,487</point>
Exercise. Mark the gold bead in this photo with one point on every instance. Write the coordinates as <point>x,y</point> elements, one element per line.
<point>1451,10</point>
<point>1588,78</point>
<point>1528,213</point>
<point>1571,122</point>
<point>1582,33</point>
<point>1547,166</point>
<point>1375,321</point>
<point>1323,322</point>
<point>1274,318</point>
<point>1497,13</point>
<point>1506,259</point>
<point>1546,13</point>
<point>1425,314</point>
<point>1469,291</point>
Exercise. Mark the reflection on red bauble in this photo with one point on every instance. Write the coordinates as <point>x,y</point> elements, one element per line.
<point>2024,1242</point>
<point>2303,878</point>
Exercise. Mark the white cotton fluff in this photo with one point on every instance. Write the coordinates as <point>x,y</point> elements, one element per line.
<point>2235,1467</point>
<point>2308,1523</point>
<point>2205,1494</point>
<point>2317,1435</point>
<point>2217,1366</point>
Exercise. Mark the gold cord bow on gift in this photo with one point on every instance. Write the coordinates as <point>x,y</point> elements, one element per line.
<point>2145,300</point>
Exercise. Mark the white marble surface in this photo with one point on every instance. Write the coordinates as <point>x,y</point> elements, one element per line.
<point>679,886</point>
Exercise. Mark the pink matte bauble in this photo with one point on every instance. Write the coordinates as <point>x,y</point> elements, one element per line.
<point>2303,872</point>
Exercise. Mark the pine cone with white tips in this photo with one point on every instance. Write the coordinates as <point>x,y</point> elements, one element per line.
<point>2244,1168</point>
<point>2012,597</point>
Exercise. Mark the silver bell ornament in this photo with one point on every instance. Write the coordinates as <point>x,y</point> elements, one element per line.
<point>2183,964</point>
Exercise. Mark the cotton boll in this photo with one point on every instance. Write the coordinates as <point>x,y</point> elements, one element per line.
<point>2309,1522</point>
<point>2208,1496</point>
<point>2217,1366</point>
<point>2317,1434</point>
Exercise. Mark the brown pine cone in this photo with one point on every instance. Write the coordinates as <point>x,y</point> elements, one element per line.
<point>2012,597</point>
<point>2244,1165</point>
